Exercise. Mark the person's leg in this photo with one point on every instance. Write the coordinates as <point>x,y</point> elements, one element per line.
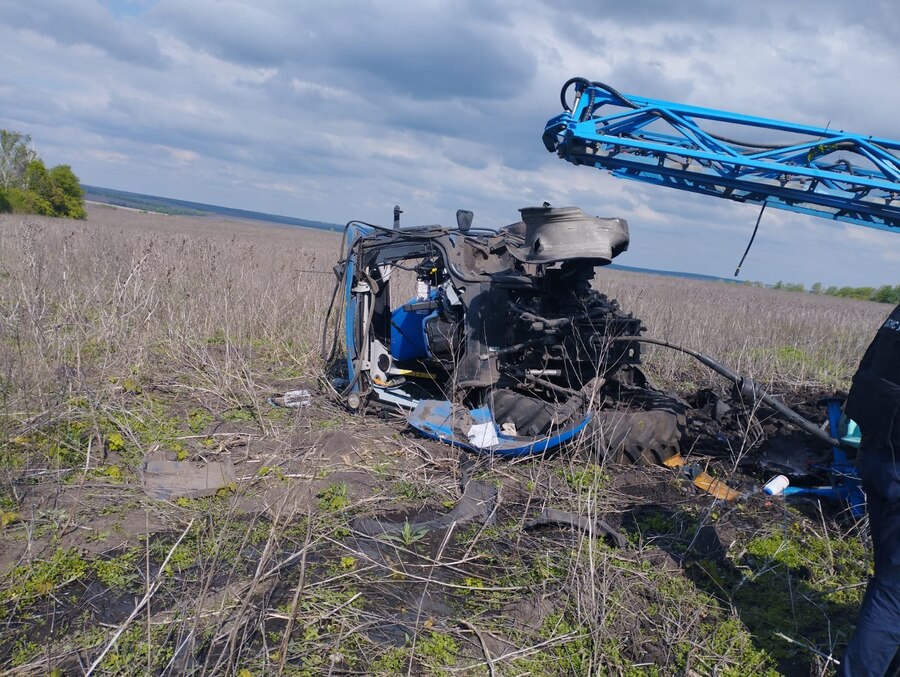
<point>876,639</point>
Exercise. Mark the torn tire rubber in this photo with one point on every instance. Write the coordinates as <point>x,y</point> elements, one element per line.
<point>637,438</point>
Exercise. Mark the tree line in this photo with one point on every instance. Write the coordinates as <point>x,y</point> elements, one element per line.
<point>883,294</point>
<point>28,187</point>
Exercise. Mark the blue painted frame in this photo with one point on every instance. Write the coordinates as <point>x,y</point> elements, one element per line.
<point>846,484</point>
<point>611,131</point>
<point>433,419</point>
<point>354,231</point>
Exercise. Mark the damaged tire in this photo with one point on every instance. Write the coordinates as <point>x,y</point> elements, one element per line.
<point>636,438</point>
<point>648,436</point>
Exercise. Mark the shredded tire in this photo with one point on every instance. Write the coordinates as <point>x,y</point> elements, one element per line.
<point>648,433</point>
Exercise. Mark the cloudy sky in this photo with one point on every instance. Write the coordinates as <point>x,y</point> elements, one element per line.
<point>338,110</point>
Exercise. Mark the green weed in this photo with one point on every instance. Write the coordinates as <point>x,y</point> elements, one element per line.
<point>240,415</point>
<point>334,498</point>
<point>410,491</point>
<point>438,649</point>
<point>42,577</point>
<point>408,535</point>
<point>588,479</point>
<point>198,419</point>
<point>118,572</point>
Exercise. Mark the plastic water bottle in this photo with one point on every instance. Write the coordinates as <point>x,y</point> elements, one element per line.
<point>776,485</point>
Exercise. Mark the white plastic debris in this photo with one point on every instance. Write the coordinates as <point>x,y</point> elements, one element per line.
<point>776,485</point>
<point>295,399</point>
<point>509,429</point>
<point>423,289</point>
<point>483,435</point>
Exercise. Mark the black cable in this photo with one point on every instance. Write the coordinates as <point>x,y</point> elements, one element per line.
<point>565,88</point>
<point>747,387</point>
<point>752,237</point>
<point>329,356</point>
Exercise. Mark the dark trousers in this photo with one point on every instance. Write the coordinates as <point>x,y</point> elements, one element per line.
<point>876,640</point>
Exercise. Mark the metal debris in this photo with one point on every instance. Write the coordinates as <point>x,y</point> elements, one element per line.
<point>165,478</point>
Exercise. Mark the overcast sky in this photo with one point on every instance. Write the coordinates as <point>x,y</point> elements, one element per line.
<point>339,110</point>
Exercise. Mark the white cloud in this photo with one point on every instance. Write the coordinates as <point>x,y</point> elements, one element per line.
<point>334,111</point>
<point>181,156</point>
<point>109,157</point>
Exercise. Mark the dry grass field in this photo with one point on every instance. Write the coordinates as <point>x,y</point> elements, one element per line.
<point>132,334</point>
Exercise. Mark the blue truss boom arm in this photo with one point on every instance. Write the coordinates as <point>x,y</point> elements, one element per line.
<point>827,173</point>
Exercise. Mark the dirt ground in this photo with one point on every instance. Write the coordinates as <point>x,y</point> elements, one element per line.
<point>280,572</point>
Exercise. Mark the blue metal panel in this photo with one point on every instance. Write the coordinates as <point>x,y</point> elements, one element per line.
<point>845,482</point>
<point>435,418</point>
<point>408,340</point>
<point>813,175</point>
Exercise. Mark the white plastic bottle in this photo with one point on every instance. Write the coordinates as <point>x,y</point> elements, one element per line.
<point>776,485</point>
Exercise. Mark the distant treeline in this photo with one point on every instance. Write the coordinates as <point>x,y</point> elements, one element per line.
<point>167,205</point>
<point>28,187</point>
<point>146,203</point>
<point>883,294</point>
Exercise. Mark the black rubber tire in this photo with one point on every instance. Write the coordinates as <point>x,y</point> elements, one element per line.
<point>647,433</point>
<point>637,438</point>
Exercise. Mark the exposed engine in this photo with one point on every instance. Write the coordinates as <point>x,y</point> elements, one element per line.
<point>503,325</point>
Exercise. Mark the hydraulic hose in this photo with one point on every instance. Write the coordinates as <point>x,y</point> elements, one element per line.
<point>748,388</point>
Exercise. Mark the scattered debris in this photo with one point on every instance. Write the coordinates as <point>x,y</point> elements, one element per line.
<point>776,485</point>
<point>166,478</point>
<point>292,399</point>
<point>597,527</point>
<point>701,479</point>
<point>508,348</point>
<point>478,502</point>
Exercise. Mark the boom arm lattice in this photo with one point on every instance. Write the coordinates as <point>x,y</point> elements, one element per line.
<point>665,143</point>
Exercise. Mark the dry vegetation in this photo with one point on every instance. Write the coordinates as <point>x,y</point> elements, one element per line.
<point>785,339</point>
<point>132,333</point>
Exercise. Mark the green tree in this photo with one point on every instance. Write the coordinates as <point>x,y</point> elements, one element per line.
<point>886,294</point>
<point>28,202</point>
<point>816,288</point>
<point>26,186</point>
<point>15,154</point>
<point>64,178</point>
<point>36,178</point>
<point>68,195</point>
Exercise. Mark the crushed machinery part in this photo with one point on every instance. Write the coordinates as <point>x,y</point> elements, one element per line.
<point>478,502</point>
<point>749,390</point>
<point>501,319</point>
<point>638,437</point>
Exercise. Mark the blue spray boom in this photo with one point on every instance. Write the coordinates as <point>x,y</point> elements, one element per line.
<point>827,173</point>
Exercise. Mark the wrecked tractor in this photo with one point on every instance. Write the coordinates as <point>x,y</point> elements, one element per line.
<point>495,340</point>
